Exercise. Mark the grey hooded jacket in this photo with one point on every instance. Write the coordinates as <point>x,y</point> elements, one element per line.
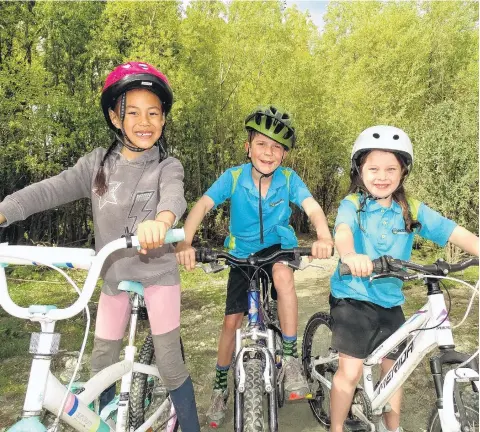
<point>137,191</point>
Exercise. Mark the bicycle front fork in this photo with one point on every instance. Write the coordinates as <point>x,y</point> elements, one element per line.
<point>269,372</point>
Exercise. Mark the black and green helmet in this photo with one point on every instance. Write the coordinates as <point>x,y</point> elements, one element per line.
<point>273,123</point>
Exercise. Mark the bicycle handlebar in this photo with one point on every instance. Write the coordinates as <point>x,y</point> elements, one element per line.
<point>64,257</point>
<point>206,255</point>
<point>386,266</point>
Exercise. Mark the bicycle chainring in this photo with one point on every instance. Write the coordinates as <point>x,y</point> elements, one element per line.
<point>360,398</point>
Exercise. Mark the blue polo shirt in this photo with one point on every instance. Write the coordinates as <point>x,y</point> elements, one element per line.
<point>384,234</point>
<point>244,237</point>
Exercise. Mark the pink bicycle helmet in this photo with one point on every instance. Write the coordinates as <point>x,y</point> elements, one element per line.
<point>133,75</point>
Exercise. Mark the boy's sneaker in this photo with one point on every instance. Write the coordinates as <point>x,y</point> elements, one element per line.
<point>218,407</point>
<point>296,386</point>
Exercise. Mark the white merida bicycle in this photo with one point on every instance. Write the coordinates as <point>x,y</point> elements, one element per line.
<point>456,408</point>
<point>142,393</point>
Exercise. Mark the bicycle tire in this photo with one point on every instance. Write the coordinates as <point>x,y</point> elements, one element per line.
<point>143,400</point>
<point>318,328</point>
<point>253,420</point>
<point>471,404</point>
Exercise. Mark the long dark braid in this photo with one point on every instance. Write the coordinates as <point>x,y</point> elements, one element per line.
<point>100,183</point>
<point>399,196</point>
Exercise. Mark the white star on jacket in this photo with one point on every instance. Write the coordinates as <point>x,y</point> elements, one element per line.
<point>109,196</point>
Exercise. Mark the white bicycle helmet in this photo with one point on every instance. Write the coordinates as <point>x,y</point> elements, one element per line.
<point>386,138</point>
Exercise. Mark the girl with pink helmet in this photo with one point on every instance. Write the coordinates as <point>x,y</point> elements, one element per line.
<point>135,186</point>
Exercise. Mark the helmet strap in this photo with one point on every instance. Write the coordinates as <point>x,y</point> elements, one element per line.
<point>124,138</point>
<point>262,176</point>
<point>260,211</point>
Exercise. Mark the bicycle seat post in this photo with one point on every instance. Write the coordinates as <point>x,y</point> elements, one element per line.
<point>134,319</point>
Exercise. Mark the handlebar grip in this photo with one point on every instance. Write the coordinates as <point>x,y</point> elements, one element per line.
<point>175,235</point>
<point>344,270</point>
<point>303,251</point>
<point>307,251</point>
<point>205,255</point>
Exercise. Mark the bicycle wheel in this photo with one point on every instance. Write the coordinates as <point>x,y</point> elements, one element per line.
<point>253,420</point>
<point>147,393</point>
<point>316,344</point>
<point>470,411</point>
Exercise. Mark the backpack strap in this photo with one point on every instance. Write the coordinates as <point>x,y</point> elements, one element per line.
<point>287,173</point>
<point>235,175</point>
<point>355,199</point>
<point>414,206</point>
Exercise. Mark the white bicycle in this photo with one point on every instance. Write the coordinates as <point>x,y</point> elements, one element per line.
<point>456,408</point>
<point>141,391</point>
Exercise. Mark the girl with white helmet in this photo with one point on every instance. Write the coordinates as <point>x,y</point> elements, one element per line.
<point>377,218</point>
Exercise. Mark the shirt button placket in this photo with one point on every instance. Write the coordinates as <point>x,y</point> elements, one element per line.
<point>383,236</point>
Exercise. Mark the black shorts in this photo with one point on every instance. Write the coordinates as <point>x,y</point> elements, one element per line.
<point>237,298</point>
<point>359,327</point>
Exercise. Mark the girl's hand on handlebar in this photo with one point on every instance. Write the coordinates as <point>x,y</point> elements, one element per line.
<point>185,255</point>
<point>322,249</point>
<point>151,234</point>
<point>360,265</point>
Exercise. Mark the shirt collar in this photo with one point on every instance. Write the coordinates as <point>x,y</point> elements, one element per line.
<point>147,155</point>
<point>372,206</point>
<point>246,180</point>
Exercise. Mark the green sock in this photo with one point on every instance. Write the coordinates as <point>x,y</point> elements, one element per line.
<point>290,346</point>
<point>221,377</point>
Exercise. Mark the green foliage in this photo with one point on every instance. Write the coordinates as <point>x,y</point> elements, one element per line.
<point>410,64</point>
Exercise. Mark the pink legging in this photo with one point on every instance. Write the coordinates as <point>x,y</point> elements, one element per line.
<point>163,306</point>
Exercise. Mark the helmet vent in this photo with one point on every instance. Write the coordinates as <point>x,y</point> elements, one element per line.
<point>396,137</point>
<point>268,123</point>
<point>376,135</point>
<point>278,128</point>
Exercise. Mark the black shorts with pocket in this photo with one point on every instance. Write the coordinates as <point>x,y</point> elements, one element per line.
<point>359,327</point>
<point>238,281</point>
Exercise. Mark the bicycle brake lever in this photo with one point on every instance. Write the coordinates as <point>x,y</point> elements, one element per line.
<point>304,263</point>
<point>211,267</point>
<point>400,274</point>
<point>295,264</point>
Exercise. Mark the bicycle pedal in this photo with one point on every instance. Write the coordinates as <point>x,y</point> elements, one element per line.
<point>294,397</point>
